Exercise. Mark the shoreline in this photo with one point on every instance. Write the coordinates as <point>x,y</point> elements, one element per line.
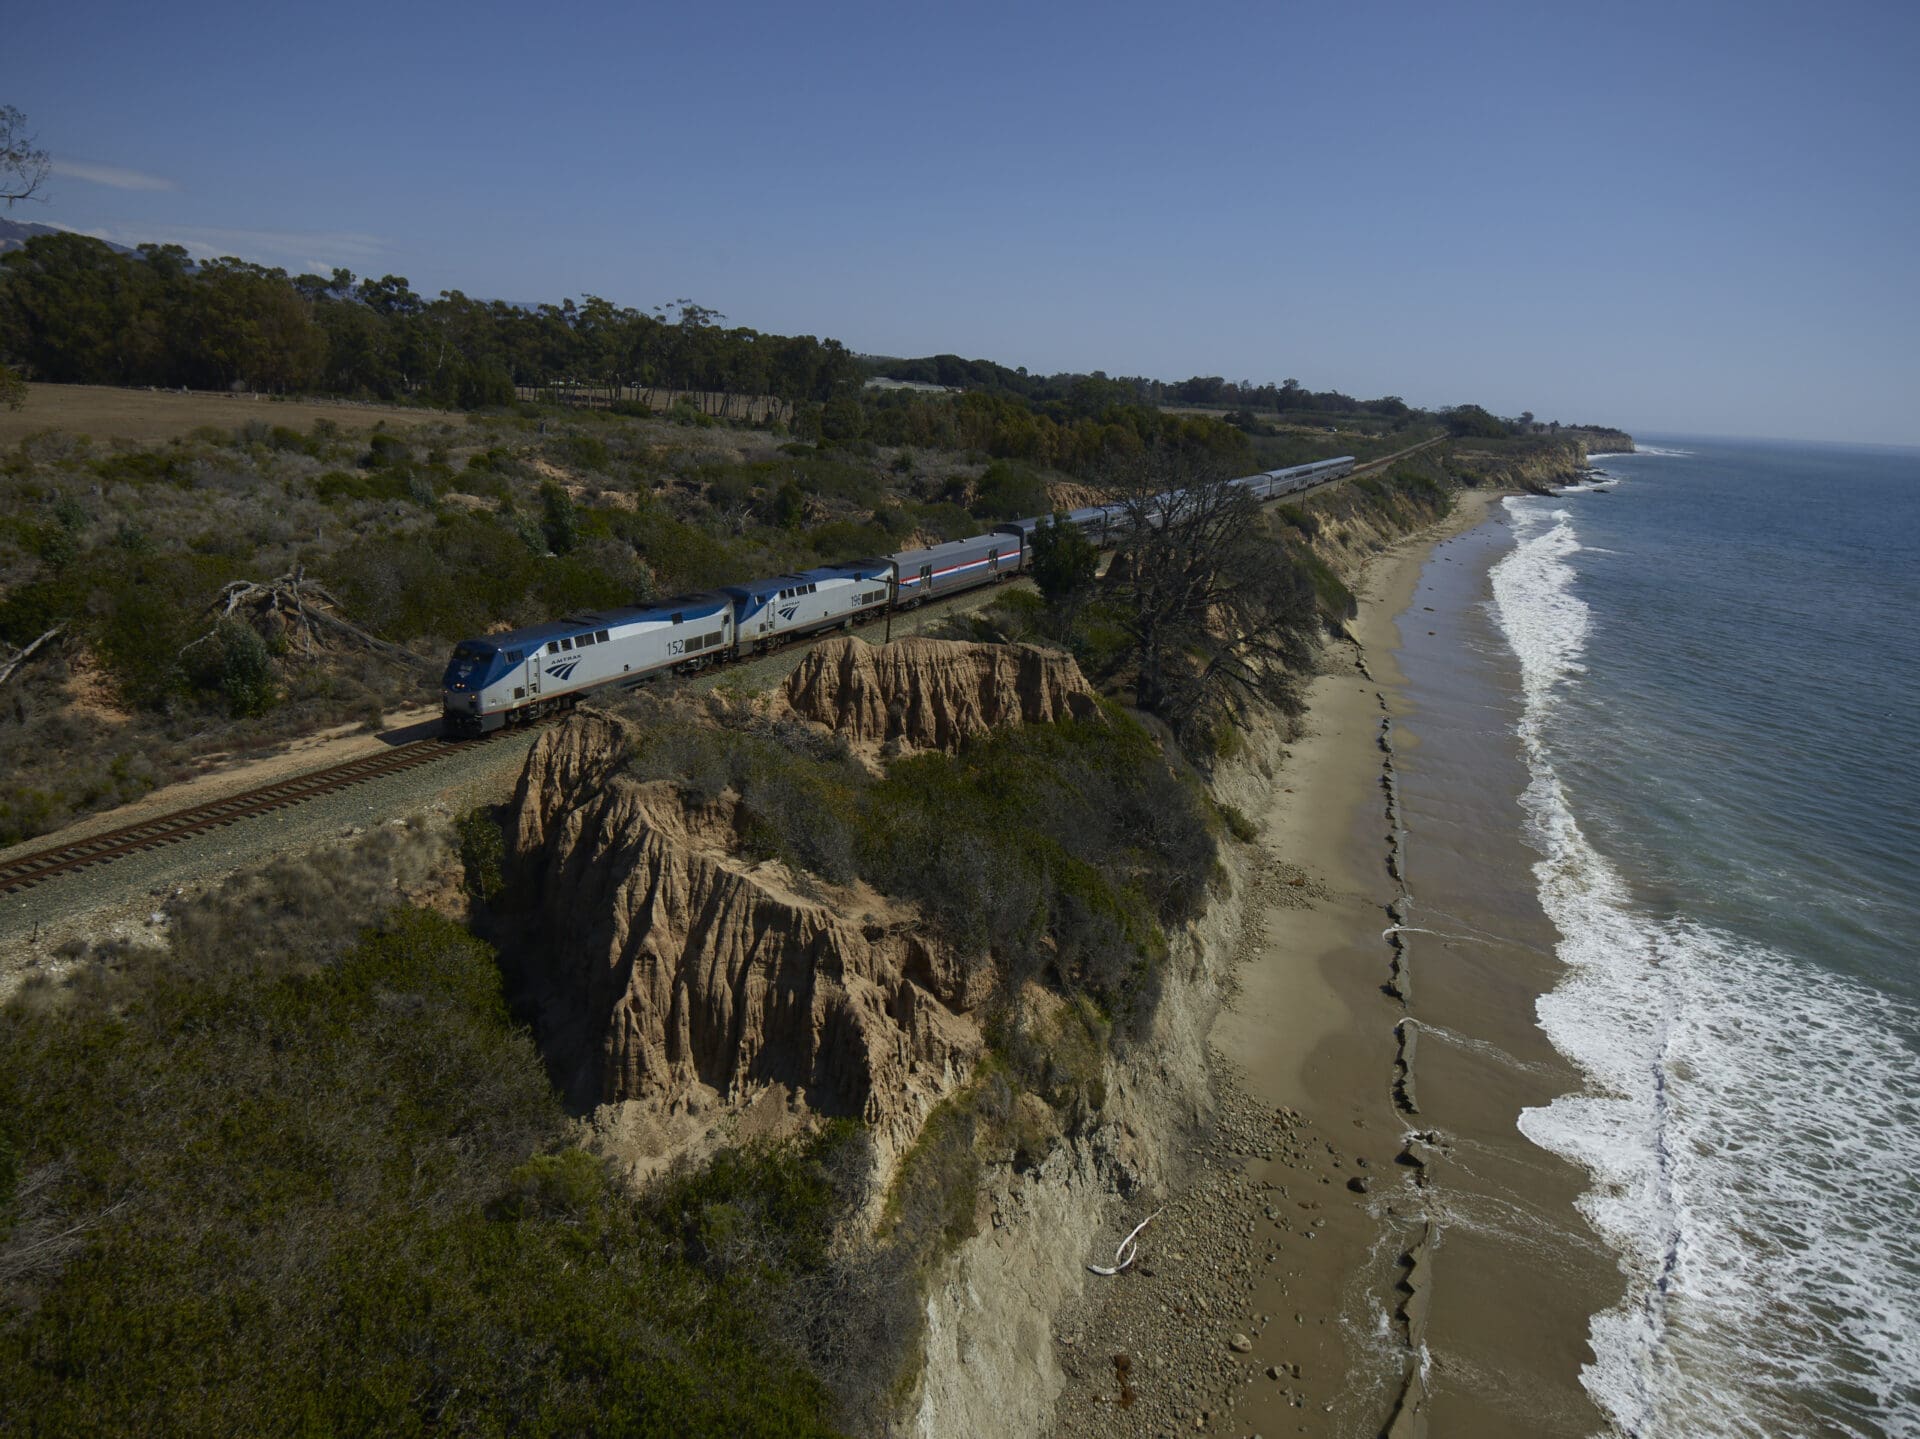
<point>1342,1274</point>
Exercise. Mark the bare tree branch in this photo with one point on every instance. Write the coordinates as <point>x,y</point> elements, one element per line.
<point>22,656</point>
<point>23,164</point>
<point>298,609</point>
<point>1218,615</point>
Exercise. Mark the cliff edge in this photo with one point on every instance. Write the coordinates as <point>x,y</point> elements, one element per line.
<point>932,694</point>
<point>669,964</point>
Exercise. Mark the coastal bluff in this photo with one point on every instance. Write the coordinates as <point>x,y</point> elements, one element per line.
<point>673,965</point>
<point>676,968</point>
<point>1544,465</point>
<point>932,694</point>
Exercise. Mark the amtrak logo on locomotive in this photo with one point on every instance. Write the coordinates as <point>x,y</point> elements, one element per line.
<point>562,670</point>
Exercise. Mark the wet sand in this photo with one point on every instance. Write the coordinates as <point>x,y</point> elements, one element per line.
<point>1461,1280</point>
<point>1366,1218</point>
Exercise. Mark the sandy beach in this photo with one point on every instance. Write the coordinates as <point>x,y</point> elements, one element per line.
<point>1369,1243</point>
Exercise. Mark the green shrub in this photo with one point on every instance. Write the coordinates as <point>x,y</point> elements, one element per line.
<point>846,540</point>
<point>1075,833</point>
<point>345,485</point>
<point>944,521</point>
<point>1296,518</point>
<point>1335,601</point>
<point>386,451</point>
<point>233,662</point>
<point>1238,825</point>
<point>932,1202</point>
<point>171,466</point>
<point>483,854</point>
<point>558,520</point>
<point>586,452</point>
<point>1009,490</point>
<point>344,1204</point>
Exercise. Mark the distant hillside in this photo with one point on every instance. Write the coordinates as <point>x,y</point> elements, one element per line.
<point>15,233</point>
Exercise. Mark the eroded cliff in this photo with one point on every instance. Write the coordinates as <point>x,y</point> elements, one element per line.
<point>669,962</point>
<point>932,694</point>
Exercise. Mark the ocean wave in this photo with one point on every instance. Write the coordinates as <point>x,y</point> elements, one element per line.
<point>1748,1122</point>
<point>1655,450</point>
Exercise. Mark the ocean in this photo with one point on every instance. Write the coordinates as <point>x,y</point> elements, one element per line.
<point>1720,652</point>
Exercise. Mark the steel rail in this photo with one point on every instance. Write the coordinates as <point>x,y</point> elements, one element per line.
<point>31,869</point>
<point>27,870</point>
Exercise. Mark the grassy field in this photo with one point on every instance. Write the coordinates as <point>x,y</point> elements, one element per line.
<point>151,417</point>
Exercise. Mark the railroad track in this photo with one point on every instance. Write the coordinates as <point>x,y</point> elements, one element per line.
<point>31,869</point>
<point>27,870</point>
<point>1385,460</point>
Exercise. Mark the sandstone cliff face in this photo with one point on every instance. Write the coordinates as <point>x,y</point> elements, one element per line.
<point>1603,442</point>
<point>992,1366</point>
<point>1546,469</point>
<point>672,964</point>
<point>932,694</point>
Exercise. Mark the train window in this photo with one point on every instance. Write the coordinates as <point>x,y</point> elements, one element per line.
<point>553,647</point>
<point>514,657</point>
<point>519,692</point>
<point>679,617</point>
<point>585,640</point>
<point>604,637</point>
<point>566,644</point>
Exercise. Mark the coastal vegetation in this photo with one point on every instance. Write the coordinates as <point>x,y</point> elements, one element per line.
<point>303,1166</point>
<point>1062,851</point>
<point>348,1195</point>
<point>297,1174</point>
<point>122,553</point>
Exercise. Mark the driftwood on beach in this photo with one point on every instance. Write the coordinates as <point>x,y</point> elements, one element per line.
<point>1128,1251</point>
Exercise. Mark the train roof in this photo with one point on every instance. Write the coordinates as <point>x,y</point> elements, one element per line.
<point>1311,465</point>
<point>760,589</point>
<point>951,549</point>
<point>528,636</point>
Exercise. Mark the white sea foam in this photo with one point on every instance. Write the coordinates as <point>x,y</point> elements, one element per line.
<point>1750,1123</point>
<point>1640,449</point>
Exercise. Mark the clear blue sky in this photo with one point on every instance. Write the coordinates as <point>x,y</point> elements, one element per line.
<point>1681,217</point>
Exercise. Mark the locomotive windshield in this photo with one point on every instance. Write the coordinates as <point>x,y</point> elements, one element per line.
<point>470,660</point>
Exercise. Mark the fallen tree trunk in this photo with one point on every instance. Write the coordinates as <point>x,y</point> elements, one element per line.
<point>301,607</point>
<point>8,669</point>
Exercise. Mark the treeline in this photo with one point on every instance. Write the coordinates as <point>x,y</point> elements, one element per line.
<point>1098,389</point>
<point>75,310</point>
<point>1079,436</point>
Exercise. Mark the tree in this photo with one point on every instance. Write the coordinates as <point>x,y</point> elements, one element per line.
<point>1065,562</point>
<point>23,164</point>
<point>1216,614</point>
<point>1472,422</point>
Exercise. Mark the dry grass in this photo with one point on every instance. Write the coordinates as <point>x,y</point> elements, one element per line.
<point>154,416</point>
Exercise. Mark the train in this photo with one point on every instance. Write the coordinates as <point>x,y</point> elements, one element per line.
<point>516,676</point>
